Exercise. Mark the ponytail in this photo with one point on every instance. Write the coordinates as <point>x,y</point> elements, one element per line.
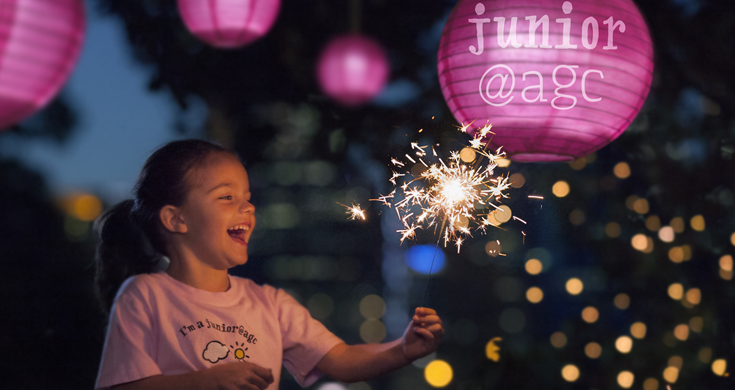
<point>129,235</point>
<point>122,251</point>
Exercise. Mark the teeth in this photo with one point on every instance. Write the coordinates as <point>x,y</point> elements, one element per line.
<point>240,227</point>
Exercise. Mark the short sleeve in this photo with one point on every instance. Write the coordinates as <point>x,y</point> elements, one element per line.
<point>305,340</point>
<point>128,351</point>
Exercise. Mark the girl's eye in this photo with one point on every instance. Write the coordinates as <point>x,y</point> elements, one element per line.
<point>226,197</point>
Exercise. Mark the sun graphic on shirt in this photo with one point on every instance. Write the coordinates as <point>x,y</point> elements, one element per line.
<point>239,352</point>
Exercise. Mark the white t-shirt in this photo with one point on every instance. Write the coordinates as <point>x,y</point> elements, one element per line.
<point>159,325</point>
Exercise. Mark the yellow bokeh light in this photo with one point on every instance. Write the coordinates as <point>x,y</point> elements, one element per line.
<point>578,164</point>
<point>492,349</point>
<point>638,330</point>
<point>534,295</point>
<point>676,361</point>
<point>503,213</point>
<point>621,170</point>
<point>697,223</point>
<point>727,275</point>
<point>558,339</point>
<point>438,373</point>
<point>666,234</point>
<point>681,332</point>
<point>593,350</point>
<point>678,224</point>
<point>560,189</point>
<point>641,206</point>
<point>726,263</point>
<point>650,384</point>
<point>626,379</point>
<point>694,296</point>
<point>574,286</point>
<point>653,223</point>
<point>517,180</point>
<point>467,155</point>
<point>590,314</point>
<point>86,207</point>
<point>639,242</point>
<point>570,373</point>
<point>732,239</point>
<point>372,331</point>
<point>687,252</point>
<point>612,229</point>
<point>372,307</point>
<point>671,374</point>
<point>576,217</point>
<point>719,367</point>
<point>676,254</point>
<point>622,301</point>
<point>630,201</point>
<point>624,344</point>
<point>676,291</point>
<point>705,355</point>
<point>534,266</point>
<point>503,162</point>
<point>696,324</point>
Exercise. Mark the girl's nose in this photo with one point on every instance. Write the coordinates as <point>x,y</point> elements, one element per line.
<point>246,206</point>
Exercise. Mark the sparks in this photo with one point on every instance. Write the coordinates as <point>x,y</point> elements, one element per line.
<point>446,195</point>
<point>354,211</point>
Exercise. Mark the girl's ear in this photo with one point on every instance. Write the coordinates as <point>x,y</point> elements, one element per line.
<point>172,219</point>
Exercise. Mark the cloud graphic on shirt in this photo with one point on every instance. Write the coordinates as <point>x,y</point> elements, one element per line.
<point>215,351</point>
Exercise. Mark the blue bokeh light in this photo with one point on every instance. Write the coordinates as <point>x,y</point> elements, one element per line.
<point>419,257</point>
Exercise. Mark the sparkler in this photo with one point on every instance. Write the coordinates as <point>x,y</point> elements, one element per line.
<point>354,211</point>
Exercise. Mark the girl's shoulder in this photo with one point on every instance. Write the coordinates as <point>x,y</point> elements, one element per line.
<point>141,284</point>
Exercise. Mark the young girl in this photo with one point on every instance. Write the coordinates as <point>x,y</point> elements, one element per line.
<point>192,325</point>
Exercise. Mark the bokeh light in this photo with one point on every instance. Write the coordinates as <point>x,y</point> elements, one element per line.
<point>558,339</point>
<point>560,189</point>
<point>696,324</point>
<point>650,384</point>
<point>681,332</point>
<point>653,223</point>
<point>641,206</point>
<point>517,180</point>
<point>492,349</point>
<point>697,223</point>
<point>726,263</point>
<point>372,331</point>
<point>666,234</point>
<point>678,224</point>
<point>671,374</point>
<point>590,314</point>
<point>612,229</point>
<point>622,301</point>
<point>419,258</point>
<point>467,155</point>
<point>639,242</point>
<point>503,162</point>
<point>438,373</point>
<point>694,296</point>
<point>534,295</point>
<point>578,164</point>
<point>372,307</point>
<point>638,330</point>
<point>624,344</point>
<point>626,379</point>
<point>320,306</point>
<point>630,201</point>
<point>574,286</point>
<point>676,361</point>
<point>570,373</point>
<point>732,239</point>
<point>705,355</point>
<point>621,170</point>
<point>534,266</point>
<point>593,350</point>
<point>676,291</point>
<point>676,254</point>
<point>719,367</point>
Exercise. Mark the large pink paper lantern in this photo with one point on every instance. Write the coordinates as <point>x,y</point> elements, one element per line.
<point>229,24</point>
<point>40,41</point>
<point>556,79</point>
<point>352,69</point>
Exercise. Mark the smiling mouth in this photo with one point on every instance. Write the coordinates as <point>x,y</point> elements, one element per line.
<point>238,233</point>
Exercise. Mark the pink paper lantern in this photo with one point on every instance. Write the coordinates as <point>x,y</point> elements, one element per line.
<point>229,24</point>
<point>556,79</point>
<point>40,42</point>
<point>352,69</point>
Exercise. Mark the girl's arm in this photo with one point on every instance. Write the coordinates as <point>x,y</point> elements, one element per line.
<point>235,376</point>
<point>354,363</point>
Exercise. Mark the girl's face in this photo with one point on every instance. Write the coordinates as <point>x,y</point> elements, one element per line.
<point>218,214</point>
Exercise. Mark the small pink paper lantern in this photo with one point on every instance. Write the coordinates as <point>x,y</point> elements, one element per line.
<point>229,24</point>
<point>40,41</point>
<point>352,69</point>
<point>556,79</point>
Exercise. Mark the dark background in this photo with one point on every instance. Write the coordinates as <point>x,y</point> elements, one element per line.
<point>264,103</point>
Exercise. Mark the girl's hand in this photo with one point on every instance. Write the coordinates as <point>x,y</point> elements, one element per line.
<point>237,376</point>
<point>423,334</point>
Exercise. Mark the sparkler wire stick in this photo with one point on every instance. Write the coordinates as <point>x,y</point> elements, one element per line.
<point>426,286</point>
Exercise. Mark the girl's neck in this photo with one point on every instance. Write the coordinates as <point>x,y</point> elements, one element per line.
<point>199,276</point>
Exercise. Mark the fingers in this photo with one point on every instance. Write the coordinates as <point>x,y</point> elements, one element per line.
<point>266,374</point>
